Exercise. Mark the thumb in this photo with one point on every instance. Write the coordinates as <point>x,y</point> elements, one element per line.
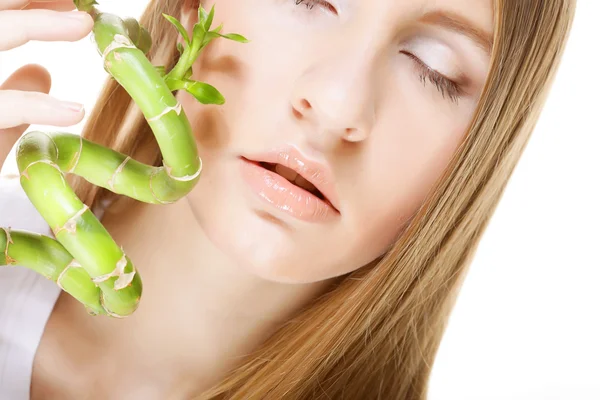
<point>29,78</point>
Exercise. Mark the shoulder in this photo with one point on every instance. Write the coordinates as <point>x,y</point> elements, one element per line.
<point>26,298</point>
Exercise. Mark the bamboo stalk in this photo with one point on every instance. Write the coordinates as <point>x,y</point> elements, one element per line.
<point>84,260</point>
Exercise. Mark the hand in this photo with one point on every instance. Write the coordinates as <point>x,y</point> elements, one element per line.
<point>24,98</point>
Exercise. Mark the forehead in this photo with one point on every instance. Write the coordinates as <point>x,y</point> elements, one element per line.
<point>479,12</point>
<point>472,18</point>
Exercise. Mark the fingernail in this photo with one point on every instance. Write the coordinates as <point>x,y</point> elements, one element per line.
<point>76,15</point>
<point>71,106</point>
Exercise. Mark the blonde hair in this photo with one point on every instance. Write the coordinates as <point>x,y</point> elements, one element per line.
<point>376,333</point>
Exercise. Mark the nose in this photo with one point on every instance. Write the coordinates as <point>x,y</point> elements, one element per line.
<point>333,101</point>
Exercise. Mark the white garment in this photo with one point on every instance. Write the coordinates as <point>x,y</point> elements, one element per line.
<point>26,297</point>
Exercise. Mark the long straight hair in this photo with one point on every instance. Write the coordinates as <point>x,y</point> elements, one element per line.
<point>375,335</point>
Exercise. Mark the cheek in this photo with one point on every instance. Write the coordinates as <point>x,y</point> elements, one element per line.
<point>407,169</point>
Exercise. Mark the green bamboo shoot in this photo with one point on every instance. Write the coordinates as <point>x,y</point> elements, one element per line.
<point>82,258</point>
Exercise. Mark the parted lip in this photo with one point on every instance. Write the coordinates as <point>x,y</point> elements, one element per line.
<point>315,172</point>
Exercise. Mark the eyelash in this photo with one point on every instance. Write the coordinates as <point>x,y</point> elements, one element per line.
<point>445,86</point>
<point>310,3</point>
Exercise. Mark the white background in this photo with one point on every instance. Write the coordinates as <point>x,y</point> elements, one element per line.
<point>527,322</point>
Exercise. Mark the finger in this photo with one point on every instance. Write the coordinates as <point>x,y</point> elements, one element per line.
<point>24,99</point>
<point>17,27</point>
<point>51,5</point>
<point>36,108</point>
<point>24,108</point>
<point>20,4</point>
<point>13,4</point>
<point>30,78</point>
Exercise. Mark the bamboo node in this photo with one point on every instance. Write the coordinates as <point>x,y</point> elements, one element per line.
<point>50,163</point>
<point>111,181</point>
<point>123,279</point>
<point>168,109</point>
<point>185,178</point>
<point>72,264</point>
<point>71,224</point>
<point>154,172</point>
<point>119,42</point>
<point>107,310</point>
<point>77,156</point>
<point>9,241</point>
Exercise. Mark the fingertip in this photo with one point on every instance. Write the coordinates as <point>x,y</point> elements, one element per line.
<point>84,22</point>
<point>88,19</point>
<point>87,22</point>
<point>78,113</point>
<point>67,119</point>
<point>72,106</point>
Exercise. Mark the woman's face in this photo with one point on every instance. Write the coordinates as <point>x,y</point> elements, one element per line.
<point>335,90</point>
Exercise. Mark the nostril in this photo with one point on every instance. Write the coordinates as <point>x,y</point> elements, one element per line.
<point>304,104</point>
<point>296,113</point>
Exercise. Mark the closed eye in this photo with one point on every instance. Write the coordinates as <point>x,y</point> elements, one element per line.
<point>446,86</point>
<point>310,4</point>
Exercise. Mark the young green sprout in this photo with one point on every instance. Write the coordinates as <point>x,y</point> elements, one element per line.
<point>83,259</point>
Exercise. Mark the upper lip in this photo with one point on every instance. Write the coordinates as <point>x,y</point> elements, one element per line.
<point>315,172</point>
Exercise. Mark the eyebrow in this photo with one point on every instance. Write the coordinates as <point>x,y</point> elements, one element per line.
<point>457,23</point>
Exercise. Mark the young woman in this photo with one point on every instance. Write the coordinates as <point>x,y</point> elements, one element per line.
<point>409,116</point>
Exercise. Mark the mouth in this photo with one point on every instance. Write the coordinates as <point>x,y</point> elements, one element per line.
<point>294,178</point>
<point>291,183</point>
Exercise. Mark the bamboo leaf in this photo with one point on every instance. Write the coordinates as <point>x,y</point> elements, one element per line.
<point>179,27</point>
<point>204,93</point>
<point>198,33</point>
<point>215,34</point>
<point>233,36</point>
<point>202,15</point>
<point>209,19</point>
<point>210,36</point>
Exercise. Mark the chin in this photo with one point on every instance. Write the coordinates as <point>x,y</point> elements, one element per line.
<point>271,246</point>
<point>259,244</point>
<point>257,238</point>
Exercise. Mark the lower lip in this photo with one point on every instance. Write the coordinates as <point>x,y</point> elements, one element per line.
<point>280,193</point>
